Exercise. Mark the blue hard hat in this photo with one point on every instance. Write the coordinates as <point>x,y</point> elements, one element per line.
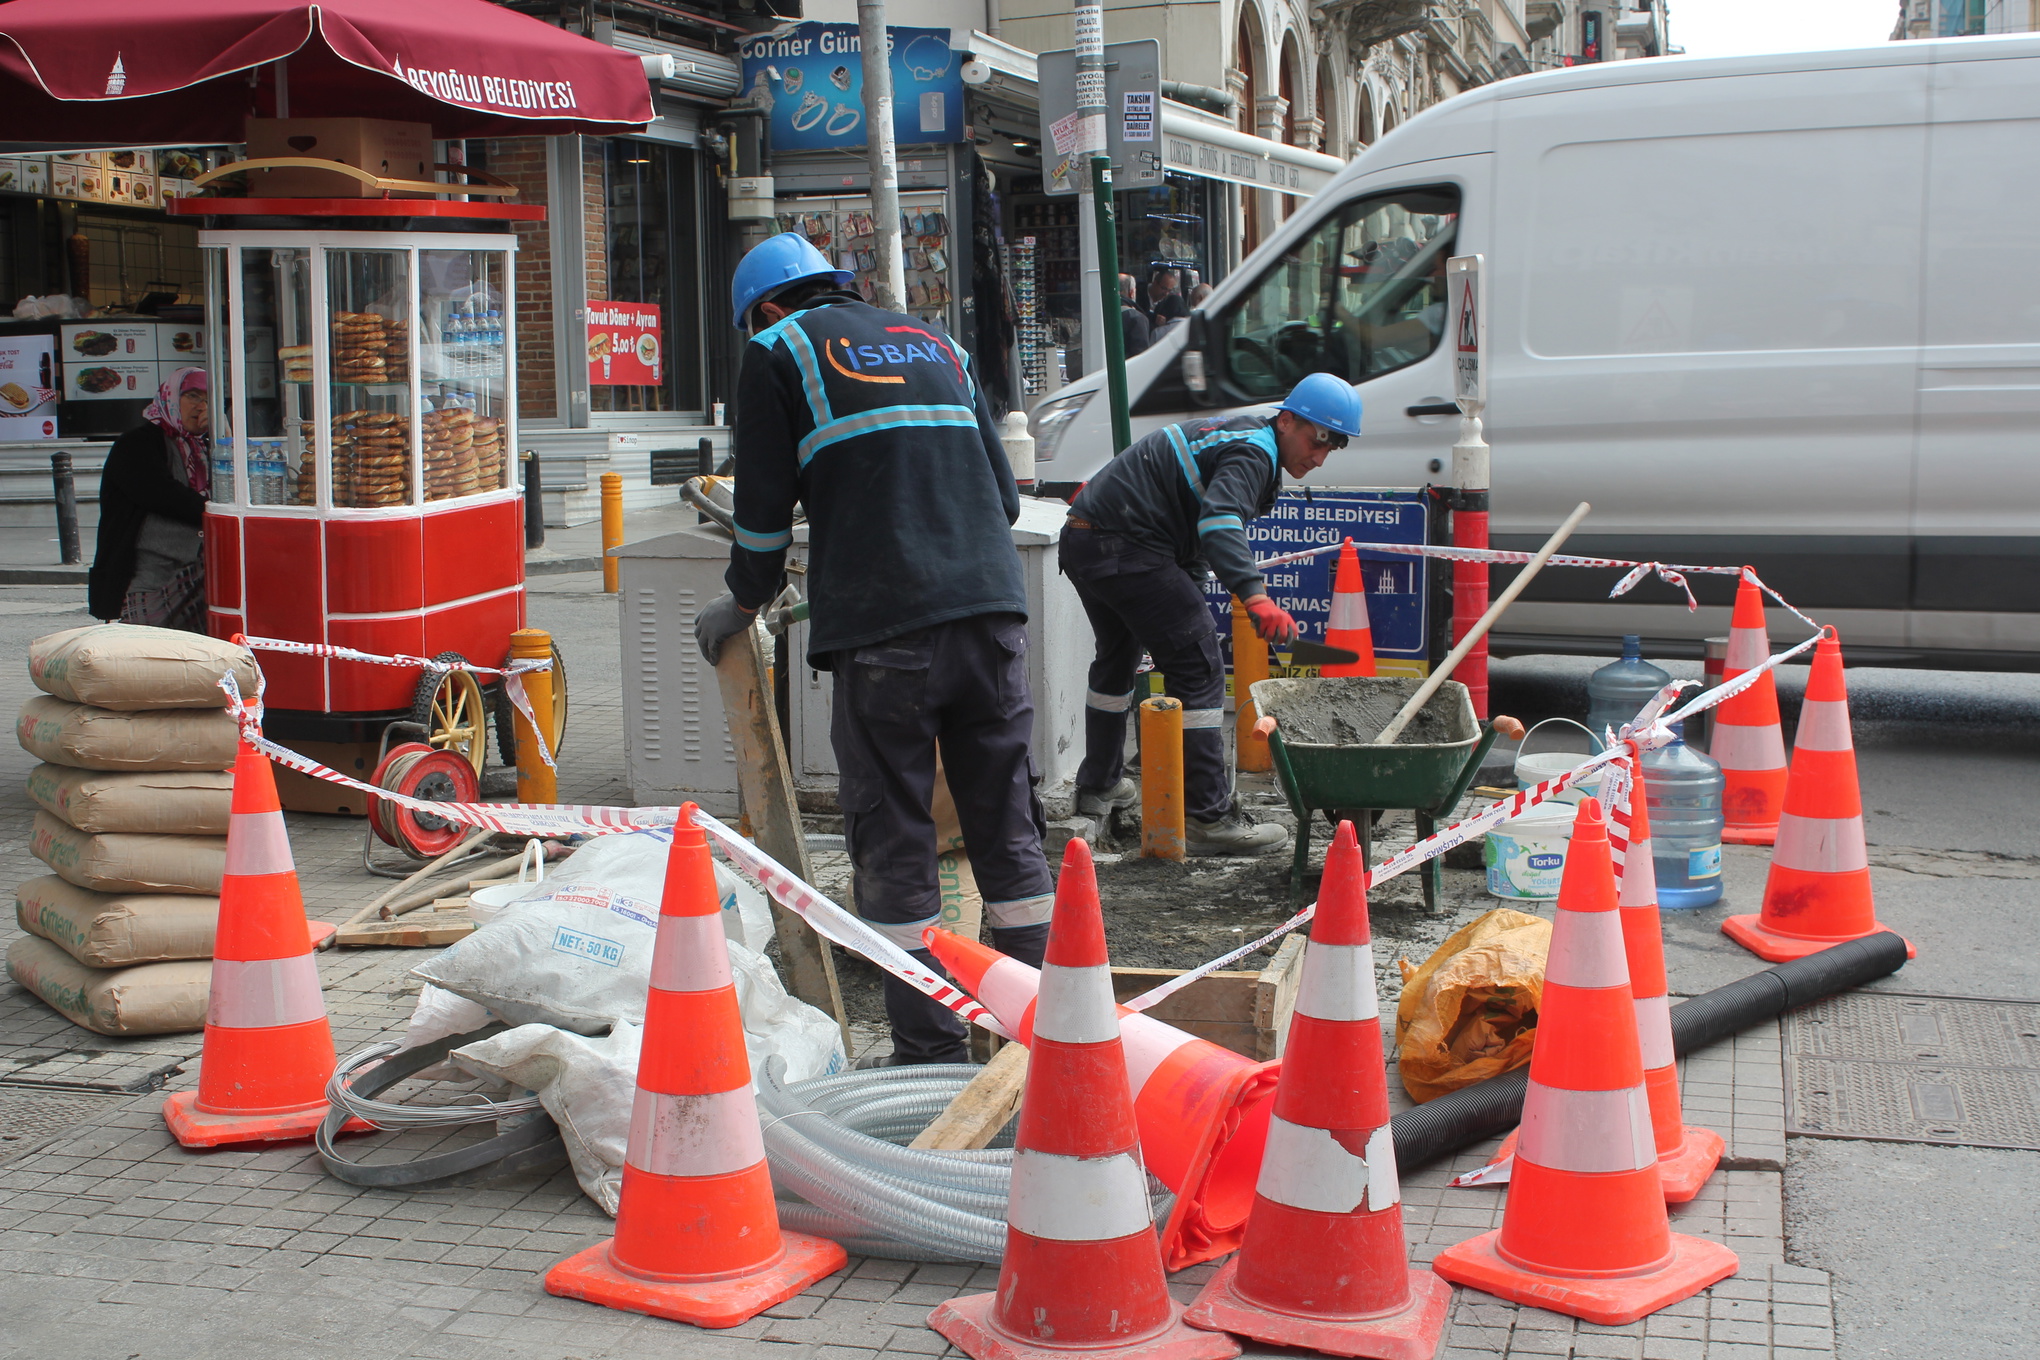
<point>1326,399</point>
<point>774,263</point>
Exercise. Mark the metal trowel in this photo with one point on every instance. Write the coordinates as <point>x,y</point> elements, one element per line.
<point>1303,653</point>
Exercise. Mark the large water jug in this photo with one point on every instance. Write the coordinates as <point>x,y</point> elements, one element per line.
<point>1683,790</point>
<point>1617,690</point>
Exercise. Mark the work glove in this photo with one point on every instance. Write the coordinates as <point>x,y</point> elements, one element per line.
<point>1271,620</point>
<point>724,618</point>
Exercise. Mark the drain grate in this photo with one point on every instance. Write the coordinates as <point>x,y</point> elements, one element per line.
<point>1905,1068</point>
<point>32,1119</point>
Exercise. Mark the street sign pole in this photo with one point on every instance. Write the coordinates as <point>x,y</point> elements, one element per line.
<point>1090,141</point>
<point>1108,299</point>
<point>1466,315</point>
<point>891,283</point>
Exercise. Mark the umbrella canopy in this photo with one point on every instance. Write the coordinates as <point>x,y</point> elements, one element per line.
<point>193,71</point>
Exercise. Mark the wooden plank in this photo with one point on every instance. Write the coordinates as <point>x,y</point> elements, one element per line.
<point>767,784</point>
<point>1275,998</point>
<point>977,1113</point>
<point>420,930</point>
<point>1218,996</point>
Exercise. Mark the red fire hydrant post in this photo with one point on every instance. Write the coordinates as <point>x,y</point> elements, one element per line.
<point>1468,312</point>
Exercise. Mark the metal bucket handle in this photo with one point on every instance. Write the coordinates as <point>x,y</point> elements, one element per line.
<point>1594,744</point>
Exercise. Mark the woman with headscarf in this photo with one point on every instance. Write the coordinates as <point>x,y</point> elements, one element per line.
<point>149,566</point>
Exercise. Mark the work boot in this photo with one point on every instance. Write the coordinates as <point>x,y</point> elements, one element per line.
<point>1233,834</point>
<point>1102,803</point>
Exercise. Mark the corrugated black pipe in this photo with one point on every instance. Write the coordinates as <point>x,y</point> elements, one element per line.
<point>1449,1123</point>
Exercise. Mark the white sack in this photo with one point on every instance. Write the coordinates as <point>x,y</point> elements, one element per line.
<point>630,867</point>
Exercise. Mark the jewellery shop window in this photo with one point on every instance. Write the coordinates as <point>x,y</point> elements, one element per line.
<point>842,229</point>
<point>649,230</point>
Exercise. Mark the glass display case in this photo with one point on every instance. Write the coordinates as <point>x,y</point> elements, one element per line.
<point>364,415</point>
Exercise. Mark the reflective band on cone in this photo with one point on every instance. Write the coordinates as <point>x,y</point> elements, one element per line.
<point>1818,892</point>
<point>697,1231</point>
<point>1348,626</point>
<point>1323,1264</point>
<point>1585,1230</point>
<point>268,1047</point>
<point>1745,738</point>
<point>1082,1271</point>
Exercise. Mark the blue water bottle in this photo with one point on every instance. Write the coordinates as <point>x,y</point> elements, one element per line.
<point>1617,690</point>
<point>1682,787</point>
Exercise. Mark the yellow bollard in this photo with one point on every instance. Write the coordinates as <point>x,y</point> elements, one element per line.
<point>537,782</point>
<point>1161,779</point>
<point>1250,663</point>
<point>612,526</point>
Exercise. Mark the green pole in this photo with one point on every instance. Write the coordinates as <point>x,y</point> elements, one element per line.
<point>1108,303</point>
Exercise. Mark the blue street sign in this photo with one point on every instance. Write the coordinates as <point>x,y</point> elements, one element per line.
<point>1398,602</point>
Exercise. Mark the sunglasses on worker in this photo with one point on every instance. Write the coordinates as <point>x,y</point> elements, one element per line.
<point>1326,438</point>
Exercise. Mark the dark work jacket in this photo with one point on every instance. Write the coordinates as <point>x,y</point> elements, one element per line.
<point>873,422</point>
<point>1189,490</point>
<point>135,483</point>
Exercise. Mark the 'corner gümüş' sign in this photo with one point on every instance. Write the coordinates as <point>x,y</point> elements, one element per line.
<point>809,79</point>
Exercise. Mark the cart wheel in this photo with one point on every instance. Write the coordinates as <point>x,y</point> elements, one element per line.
<point>384,831</point>
<point>442,776</point>
<point>449,706</point>
<point>506,713</point>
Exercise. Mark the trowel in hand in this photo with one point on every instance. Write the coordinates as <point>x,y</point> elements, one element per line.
<point>1303,653</point>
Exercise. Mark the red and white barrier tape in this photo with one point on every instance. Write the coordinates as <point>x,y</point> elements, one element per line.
<point>1667,572</point>
<point>1650,732</point>
<point>513,674</point>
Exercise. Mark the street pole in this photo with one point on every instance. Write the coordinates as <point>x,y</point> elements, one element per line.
<point>1101,281</point>
<point>878,150</point>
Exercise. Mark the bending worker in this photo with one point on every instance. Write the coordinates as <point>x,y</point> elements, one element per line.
<point>873,422</point>
<point>1136,546</point>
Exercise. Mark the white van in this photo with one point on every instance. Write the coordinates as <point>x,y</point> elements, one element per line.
<point>1781,310</point>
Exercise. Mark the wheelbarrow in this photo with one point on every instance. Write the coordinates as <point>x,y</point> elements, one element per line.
<point>1320,733</point>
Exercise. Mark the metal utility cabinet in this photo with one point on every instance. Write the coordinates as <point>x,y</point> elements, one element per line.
<point>676,742</point>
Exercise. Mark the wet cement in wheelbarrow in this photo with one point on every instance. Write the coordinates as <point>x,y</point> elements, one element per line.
<point>1349,717</point>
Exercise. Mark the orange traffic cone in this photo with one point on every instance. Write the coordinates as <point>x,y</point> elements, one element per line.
<point>1348,626</point>
<point>1324,1265</point>
<point>697,1234</point>
<point>1082,1270</point>
<point>1585,1230</point>
<point>1818,893</point>
<point>1202,1110</point>
<point>1746,740</point>
<point>268,1048</point>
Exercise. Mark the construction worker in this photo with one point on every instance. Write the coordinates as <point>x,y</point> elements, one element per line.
<point>1136,546</point>
<point>873,422</point>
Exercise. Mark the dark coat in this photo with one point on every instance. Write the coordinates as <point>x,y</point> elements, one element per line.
<point>135,483</point>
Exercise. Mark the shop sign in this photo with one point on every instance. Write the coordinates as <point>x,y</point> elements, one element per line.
<point>28,396</point>
<point>625,346</point>
<point>809,79</point>
<point>1125,130</point>
<point>1397,598</point>
<point>1190,155</point>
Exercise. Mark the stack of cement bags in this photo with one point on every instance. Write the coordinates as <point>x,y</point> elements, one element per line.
<point>134,789</point>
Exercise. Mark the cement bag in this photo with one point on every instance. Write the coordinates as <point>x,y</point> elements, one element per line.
<point>585,969</point>
<point>88,738</point>
<point>112,930</point>
<point>963,906</point>
<point>628,869</point>
<point>162,802</point>
<point>126,667</point>
<point>1470,1012</point>
<point>150,998</point>
<point>120,863</point>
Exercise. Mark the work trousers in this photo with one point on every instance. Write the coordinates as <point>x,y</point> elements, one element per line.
<point>962,685</point>
<point>1140,600</point>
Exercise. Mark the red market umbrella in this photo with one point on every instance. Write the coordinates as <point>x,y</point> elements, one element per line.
<point>190,72</point>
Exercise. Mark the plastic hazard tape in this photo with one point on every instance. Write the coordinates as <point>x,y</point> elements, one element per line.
<point>1652,729</point>
<point>1667,572</point>
<point>513,674</point>
<point>829,920</point>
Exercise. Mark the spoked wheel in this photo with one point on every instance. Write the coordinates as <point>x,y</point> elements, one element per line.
<point>417,771</point>
<point>506,713</point>
<point>449,705</point>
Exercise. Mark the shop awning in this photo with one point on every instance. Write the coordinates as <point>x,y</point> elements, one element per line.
<point>1194,147</point>
<point>116,72</point>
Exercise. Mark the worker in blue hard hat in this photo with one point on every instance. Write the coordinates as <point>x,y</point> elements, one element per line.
<point>1137,545</point>
<point>874,422</point>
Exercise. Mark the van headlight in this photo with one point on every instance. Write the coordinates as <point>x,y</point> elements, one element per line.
<point>1052,419</point>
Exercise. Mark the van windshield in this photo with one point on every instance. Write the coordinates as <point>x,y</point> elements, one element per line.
<point>1361,296</point>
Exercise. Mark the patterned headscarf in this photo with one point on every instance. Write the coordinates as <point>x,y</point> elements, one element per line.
<point>166,413</point>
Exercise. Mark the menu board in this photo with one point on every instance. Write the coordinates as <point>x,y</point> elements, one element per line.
<point>624,344</point>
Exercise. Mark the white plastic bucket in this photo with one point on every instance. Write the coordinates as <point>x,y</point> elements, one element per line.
<point>1525,855</point>
<point>484,904</point>
<point>1534,767</point>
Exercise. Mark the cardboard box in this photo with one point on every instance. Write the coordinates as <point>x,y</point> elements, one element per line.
<point>110,381</point>
<point>381,146</point>
<point>112,341</point>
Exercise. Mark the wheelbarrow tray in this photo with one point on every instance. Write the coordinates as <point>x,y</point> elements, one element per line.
<point>1323,726</point>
